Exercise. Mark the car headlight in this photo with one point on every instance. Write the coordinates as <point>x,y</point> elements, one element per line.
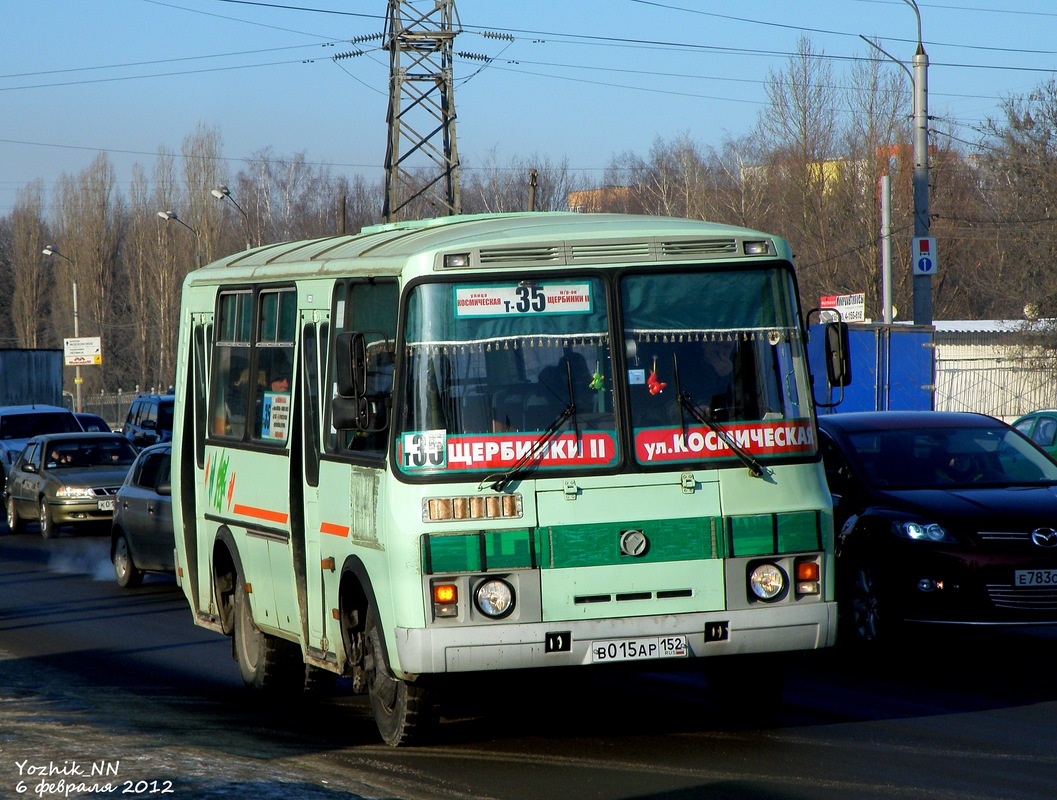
<point>71,492</point>
<point>767,581</point>
<point>494,598</point>
<point>925,532</point>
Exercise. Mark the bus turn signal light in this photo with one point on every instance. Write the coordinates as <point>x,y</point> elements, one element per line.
<point>808,578</point>
<point>445,600</point>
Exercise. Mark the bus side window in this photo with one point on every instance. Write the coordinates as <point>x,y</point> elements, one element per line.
<point>229,398</point>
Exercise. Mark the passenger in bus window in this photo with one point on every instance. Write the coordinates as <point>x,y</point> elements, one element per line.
<point>706,377</point>
<point>281,383</point>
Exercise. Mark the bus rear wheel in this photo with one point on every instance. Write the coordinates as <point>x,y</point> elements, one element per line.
<point>404,712</point>
<point>267,663</point>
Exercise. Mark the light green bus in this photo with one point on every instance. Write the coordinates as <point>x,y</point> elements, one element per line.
<point>500,442</point>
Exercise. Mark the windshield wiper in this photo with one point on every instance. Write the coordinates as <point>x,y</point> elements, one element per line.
<point>704,416</point>
<point>535,452</point>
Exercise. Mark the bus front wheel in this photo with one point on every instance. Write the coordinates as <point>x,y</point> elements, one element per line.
<point>265,662</point>
<point>404,712</point>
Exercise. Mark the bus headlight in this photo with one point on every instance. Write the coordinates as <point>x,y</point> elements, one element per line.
<point>767,581</point>
<point>494,598</point>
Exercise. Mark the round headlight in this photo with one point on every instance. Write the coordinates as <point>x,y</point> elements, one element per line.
<point>931,532</point>
<point>494,598</point>
<point>767,581</point>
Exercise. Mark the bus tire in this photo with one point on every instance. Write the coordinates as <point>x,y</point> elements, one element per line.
<point>404,712</point>
<point>267,663</point>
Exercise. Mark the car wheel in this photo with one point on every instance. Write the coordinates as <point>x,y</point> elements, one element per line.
<point>129,576</point>
<point>864,622</point>
<point>14,522</point>
<point>267,663</point>
<point>48,529</point>
<point>404,712</point>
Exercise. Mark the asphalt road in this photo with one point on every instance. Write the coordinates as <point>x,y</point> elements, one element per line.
<point>95,677</point>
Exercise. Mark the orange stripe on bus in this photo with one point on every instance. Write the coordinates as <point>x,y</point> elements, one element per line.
<point>335,530</point>
<point>261,513</point>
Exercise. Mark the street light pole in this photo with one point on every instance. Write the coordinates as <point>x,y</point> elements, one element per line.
<point>919,80</point>
<point>922,283</point>
<point>51,250</point>
<point>171,215</point>
<point>220,193</point>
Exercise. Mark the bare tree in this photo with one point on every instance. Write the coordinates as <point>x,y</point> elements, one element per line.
<point>88,230</point>
<point>28,290</point>
<point>497,188</point>
<point>799,128</point>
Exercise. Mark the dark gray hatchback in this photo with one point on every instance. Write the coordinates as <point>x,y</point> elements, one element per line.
<point>141,537</point>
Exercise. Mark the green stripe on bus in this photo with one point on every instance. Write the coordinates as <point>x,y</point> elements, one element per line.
<point>564,546</point>
<point>478,552</point>
<point>774,534</point>
<point>599,545</point>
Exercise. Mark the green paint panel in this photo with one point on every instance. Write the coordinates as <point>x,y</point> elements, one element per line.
<point>453,553</point>
<point>752,536</point>
<point>461,552</point>
<point>599,545</point>
<point>770,534</point>
<point>798,532</point>
<point>509,550</point>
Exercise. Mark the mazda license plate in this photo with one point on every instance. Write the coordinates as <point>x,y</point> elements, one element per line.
<point>1035,577</point>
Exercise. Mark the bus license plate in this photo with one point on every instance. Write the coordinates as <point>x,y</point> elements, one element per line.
<point>1035,577</point>
<point>106,505</point>
<point>639,649</point>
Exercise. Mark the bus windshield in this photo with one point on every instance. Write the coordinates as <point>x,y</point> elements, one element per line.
<point>521,372</point>
<point>496,367</point>
<point>715,365</point>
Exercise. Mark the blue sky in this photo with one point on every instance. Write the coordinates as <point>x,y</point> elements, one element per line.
<point>582,80</point>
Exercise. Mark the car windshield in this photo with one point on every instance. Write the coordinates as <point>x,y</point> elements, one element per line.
<point>25,426</point>
<point>78,454</point>
<point>936,458</point>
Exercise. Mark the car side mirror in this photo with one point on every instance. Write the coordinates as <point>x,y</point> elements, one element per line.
<point>164,488</point>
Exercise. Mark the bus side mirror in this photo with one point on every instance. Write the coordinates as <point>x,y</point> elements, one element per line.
<point>838,354</point>
<point>351,354</point>
<point>361,402</point>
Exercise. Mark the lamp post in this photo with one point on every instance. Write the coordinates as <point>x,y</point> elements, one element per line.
<point>171,215</point>
<point>52,250</point>
<point>220,193</point>
<point>919,79</point>
<point>922,283</point>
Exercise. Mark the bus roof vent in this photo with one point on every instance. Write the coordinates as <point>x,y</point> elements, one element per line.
<point>536,255</point>
<point>699,247</point>
<point>610,251</point>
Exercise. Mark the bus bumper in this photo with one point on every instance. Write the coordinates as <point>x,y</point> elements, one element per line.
<point>576,642</point>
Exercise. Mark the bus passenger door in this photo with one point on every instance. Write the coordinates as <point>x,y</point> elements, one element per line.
<point>311,447</point>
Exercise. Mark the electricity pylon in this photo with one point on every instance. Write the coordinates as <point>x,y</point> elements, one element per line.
<point>421,160</point>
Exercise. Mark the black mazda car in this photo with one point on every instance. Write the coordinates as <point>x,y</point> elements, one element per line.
<point>942,517</point>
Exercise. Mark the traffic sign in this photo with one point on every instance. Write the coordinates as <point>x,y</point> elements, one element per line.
<point>83,352</point>
<point>923,252</point>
